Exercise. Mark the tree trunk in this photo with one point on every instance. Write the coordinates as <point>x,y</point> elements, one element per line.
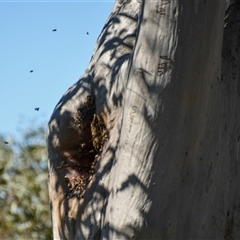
<point>146,144</point>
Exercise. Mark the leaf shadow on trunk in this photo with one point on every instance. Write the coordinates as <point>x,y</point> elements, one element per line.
<point>103,83</point>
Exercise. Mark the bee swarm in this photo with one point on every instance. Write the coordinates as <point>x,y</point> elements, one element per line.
<point>87,121</point>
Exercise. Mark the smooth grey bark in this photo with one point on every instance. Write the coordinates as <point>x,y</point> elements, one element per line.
<point>165,79</point>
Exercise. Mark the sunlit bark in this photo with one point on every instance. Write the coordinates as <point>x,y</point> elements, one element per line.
<point>152,128</point>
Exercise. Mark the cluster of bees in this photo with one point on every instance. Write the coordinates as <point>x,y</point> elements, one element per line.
<point>87,121</point>
<point>78,184</point>
<point>85,113</point>
<point>99,133</point>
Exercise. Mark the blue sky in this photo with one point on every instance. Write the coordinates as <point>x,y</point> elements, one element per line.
<point>58,59</point>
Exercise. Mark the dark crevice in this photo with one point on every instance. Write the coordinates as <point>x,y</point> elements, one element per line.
<point>95,135</point>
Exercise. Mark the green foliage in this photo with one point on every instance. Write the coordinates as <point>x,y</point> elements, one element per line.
<point>24,203</point>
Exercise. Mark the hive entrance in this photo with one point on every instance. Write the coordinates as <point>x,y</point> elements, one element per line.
<point>93,128</point>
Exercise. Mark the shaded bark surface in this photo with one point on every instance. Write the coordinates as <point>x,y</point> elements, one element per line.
<point>164,80</point>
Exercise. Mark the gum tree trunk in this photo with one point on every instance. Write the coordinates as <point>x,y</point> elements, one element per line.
<point>146,144</point>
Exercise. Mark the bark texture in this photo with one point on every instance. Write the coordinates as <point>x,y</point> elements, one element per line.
<point>146,144</point>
